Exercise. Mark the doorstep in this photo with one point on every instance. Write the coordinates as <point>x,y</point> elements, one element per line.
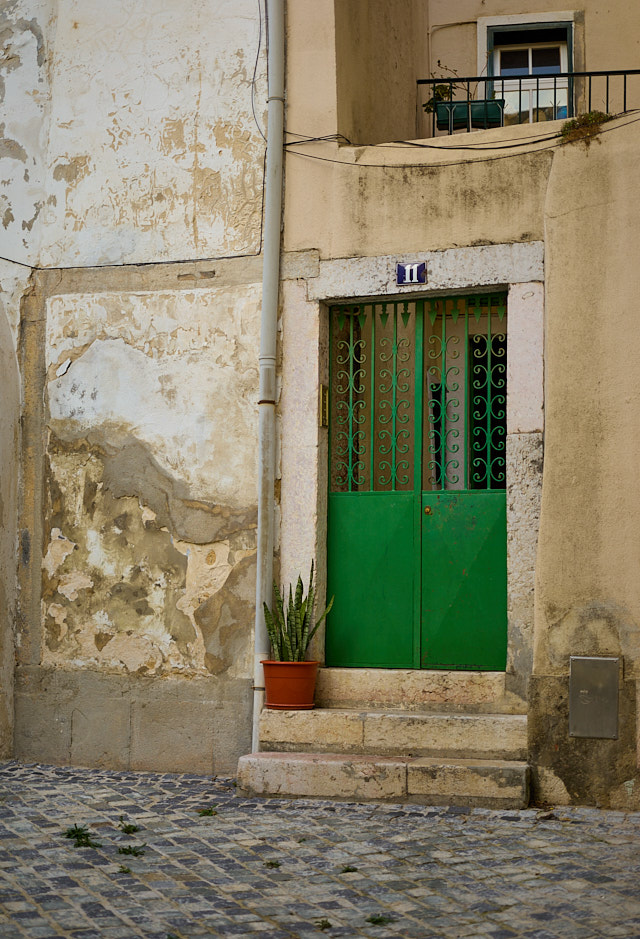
<point>498,784</point>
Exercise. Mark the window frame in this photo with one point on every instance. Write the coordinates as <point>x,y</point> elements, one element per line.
<point>530,27</point>
<point>556,44</point>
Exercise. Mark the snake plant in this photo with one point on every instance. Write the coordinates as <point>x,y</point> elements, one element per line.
<point>291,628</point>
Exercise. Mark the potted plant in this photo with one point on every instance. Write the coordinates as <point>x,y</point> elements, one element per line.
<point>290,680</point>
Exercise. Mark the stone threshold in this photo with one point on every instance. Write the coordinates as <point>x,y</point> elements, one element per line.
<point>416,690</point>
<point>484,783</point>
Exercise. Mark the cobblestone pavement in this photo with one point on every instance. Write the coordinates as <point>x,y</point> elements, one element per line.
<point>212,863</point>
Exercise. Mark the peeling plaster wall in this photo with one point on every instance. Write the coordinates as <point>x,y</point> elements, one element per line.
<point>130,137</point>
<point>27,29</point>
<point>127,132</point>
<point>151,479</point>
<point>148,536</point>
<point>153,151</point>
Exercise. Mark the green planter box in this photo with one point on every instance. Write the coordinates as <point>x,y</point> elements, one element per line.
<point>456,115</point>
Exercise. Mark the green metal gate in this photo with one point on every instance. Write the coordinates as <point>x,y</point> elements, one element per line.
<point>417,503</point>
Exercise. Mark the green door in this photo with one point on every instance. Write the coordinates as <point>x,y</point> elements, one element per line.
<point>417,504</point>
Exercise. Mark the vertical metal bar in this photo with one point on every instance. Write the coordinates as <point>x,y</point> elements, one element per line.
<point>537,115</point>
<point>332,314</point>
<point>607,97</point>
<point>555,99</point>
<point>468,107</point>
<point>433,113</point>
<point>418,394</point>
<point>467,392</point>
<point>443,397</point>
<point>488,478</point>
<point>351,381</point>
<point>570,97</point>
<point>372,371</point>
<point>589,108</point>
<point>519,101</point>
<point>624,92</point>
<point>417,478</point>
<point>394,384</point>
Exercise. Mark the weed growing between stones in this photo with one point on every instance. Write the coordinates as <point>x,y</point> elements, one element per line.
<point>272,864</point>
<point>127,827</point>
<point>207,812</point>
<point>81,836</point>
<point>348,869</point>
<point>135,850</point>
<point>322,924</point>
<point>379,919</point>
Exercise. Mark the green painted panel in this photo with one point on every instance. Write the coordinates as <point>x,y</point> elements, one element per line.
<point>464,580</point>
<point>371,571</point>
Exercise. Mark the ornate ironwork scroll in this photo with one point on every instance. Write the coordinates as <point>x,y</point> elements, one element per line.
<point>462,350</point>
<point>372,397</point>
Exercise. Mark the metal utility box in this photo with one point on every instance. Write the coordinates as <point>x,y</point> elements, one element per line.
<point>593,696</point>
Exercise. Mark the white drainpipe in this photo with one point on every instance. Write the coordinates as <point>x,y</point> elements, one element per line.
<point>268,332</point>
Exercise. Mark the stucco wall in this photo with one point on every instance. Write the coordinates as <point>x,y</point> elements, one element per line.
<point>13,281</point>
<point>141,579</point>
<point>588,590</point>
<point>27,28</point>
<point>380,51</point>
<point>132,151</point>
<point>129,134</point>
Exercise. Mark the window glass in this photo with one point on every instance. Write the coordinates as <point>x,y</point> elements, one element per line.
<point>545,60</point>
<point>514,61</point>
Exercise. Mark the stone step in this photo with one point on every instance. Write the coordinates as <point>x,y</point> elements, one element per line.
<point>483,783</point>
<point>388,733</point>
<point>416,690</point>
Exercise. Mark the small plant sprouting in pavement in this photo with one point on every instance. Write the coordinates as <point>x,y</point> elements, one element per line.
<point>128,827</point>
<point>207,812</point>
<point>135,850</point>
<point>82,837</point>
<point>272,864</point>
<point>348,869</point>
<point>123,869</point>
<point>379,919</point>
<point>322,924</point>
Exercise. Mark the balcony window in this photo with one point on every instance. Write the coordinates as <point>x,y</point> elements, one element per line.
<point>524,65</point>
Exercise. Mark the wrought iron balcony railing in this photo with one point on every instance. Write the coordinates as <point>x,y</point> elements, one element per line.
<point>481,101</point>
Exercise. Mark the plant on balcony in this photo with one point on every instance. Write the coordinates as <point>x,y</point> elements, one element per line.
<point>289,679</point>
<point>443,92</point>
<point>584,127</point>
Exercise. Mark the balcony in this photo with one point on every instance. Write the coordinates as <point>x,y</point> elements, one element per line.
<point>451,105</point>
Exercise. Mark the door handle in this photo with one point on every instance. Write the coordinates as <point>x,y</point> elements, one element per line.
<point>428,510</point>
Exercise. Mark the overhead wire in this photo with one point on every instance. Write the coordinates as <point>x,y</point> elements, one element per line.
<point>554,139</point>
<point>255,73</point>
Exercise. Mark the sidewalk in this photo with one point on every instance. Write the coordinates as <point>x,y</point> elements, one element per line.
<point>299,869</point>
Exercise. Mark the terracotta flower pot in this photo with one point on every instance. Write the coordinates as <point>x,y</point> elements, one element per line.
<point>290,685</point>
